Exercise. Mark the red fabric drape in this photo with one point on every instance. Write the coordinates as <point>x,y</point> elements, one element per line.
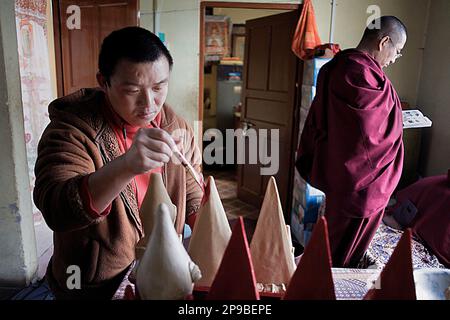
<point>306,37</point>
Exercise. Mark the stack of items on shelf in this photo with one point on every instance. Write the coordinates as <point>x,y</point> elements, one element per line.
<point>307,200</point>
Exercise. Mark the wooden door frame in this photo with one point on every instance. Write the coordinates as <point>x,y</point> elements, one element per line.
<point>58,48</point>
<point>58,45</point>
<point>236,5</point>
<point>244,5</point>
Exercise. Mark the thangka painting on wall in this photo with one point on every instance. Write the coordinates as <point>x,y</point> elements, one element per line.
<point>217,37</point>
<point>31,25</point>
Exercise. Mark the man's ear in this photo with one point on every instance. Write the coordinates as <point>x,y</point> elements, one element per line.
<point>101,81</point>
<point>383,42</point>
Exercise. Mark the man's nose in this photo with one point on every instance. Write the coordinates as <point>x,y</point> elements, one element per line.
<point>146,98</point>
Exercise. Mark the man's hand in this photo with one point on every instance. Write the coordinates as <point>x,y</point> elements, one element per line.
<point>151,148</point>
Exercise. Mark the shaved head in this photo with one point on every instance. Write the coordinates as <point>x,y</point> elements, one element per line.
<point>384,40</point>
<point>385,26</point>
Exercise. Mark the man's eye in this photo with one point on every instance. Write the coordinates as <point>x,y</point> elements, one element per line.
<point>157,89</point>
<point>132,91</point>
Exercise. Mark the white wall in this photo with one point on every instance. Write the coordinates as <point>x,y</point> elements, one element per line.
<point>434,91</point>
<point>351,19</point>
<point>179,21</point>
<point>146,14</point>
<point>18,259</point>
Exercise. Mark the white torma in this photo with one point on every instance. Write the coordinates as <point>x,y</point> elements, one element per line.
<point>271,245</point>
<point>155,195</point>
<point>165,271</point>
<point>210,236</point>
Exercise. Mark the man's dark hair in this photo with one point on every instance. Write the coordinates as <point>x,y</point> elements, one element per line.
<point>131,43</point>
<point>388,26</point>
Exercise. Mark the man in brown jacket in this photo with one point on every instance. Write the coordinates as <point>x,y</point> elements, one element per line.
<point>94,160</point>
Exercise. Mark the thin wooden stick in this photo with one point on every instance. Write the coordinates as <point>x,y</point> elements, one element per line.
<point>185,163</point>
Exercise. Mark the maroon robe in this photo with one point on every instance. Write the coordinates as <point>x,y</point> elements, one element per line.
<point>351,148</point>
<point>431,224</point>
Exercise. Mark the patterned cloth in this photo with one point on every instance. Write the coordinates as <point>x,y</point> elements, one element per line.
<point>353,284</point>
<point>349,284</point>
<point>385,241</point>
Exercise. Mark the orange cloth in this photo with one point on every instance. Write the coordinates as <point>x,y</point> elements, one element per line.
<point>306,37</point>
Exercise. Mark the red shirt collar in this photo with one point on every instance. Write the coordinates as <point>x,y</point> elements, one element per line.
<point>119,123</point>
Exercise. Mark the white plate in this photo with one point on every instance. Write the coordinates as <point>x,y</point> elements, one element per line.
<point>431,283</point>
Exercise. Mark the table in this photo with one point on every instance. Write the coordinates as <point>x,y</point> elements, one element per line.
<point>349,284</point>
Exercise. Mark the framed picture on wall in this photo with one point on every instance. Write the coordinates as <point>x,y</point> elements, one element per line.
<point>217,37</point>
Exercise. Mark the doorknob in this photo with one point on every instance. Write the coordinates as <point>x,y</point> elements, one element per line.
<point>245,126</point>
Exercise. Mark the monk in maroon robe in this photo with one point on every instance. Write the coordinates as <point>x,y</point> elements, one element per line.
<point>425,208</point>
<point>351,147</point>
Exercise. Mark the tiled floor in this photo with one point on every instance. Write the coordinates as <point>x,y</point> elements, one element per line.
<point>227,186</point>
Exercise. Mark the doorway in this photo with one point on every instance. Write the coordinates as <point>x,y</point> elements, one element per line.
<point>224,92</point>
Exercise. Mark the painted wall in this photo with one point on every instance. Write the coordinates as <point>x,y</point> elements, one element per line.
<point>18,262</point>
<point>434,91</point>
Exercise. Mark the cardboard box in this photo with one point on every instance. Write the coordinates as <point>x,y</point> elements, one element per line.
<point>311,70</point>
<point>308,94</point>
<point>306,206</point>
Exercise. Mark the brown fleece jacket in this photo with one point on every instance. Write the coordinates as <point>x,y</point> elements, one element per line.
<point>77,142</point>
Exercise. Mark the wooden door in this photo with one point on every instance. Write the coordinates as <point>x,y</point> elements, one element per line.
<point>77,50</point>
<point>270,94</point>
